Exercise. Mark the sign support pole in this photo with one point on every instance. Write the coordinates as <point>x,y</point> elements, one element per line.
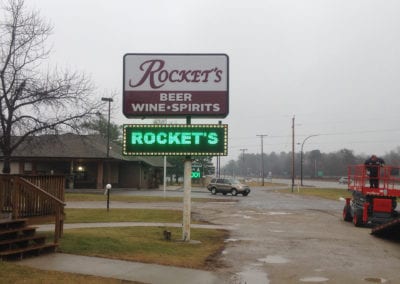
<point>165,174</point>
<point>187,187</point>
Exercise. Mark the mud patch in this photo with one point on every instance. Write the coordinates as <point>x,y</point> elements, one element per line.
<point>274,259</point>
<point>316,279</point>
<point>231,240</point>
<point>278,213</point>
<point>247,217</point>
<point>375,280</point>
<point>276,231</point>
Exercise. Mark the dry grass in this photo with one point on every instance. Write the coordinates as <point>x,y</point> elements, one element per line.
<point>146,244</point>
<point>96,215</point>
<point>328,193</point>
<point>130,198</point>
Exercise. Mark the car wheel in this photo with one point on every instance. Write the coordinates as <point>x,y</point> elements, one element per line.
<point>357,218</point>
<point>234,192</point>
<point>213,191</point>
<point>347,213</point>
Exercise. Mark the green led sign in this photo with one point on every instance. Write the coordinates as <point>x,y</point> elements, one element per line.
<point>196,175</point>
<point>175,140</point>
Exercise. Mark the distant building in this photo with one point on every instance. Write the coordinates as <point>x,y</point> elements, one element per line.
<point>83,160</point>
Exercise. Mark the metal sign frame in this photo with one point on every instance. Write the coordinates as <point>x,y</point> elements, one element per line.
<point>175,140</point>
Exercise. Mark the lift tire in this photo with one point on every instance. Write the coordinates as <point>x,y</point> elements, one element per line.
<point>357,218</point>
<point>347,213</point>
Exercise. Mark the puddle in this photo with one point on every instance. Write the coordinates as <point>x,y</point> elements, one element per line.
<point>231,240</point>
<point>252,276</point>
<point>375,280</point>
<point>316,279</point>
<point>224,203</point>
<point>276,231</point>
<point>274,259</point>
<point>278,213</point>
<point>247,211</point>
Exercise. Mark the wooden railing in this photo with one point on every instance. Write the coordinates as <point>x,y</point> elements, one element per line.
<point>39,197</point>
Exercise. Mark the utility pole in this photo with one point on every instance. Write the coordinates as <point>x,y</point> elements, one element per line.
<point>218,169</point>
<point>187,190</point>
<point>108,187</point>
<point>293,152</point>
<point>243,150</point>
<point>262,157</point>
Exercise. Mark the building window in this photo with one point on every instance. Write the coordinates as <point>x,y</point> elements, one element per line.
<point>27,167</point>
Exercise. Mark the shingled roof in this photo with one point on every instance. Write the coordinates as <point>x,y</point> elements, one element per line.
<point>77,146</point>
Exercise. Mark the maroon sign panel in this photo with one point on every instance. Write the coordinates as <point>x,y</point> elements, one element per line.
<point>160,85</point>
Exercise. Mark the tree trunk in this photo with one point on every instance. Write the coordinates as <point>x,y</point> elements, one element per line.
<point>6,164</point>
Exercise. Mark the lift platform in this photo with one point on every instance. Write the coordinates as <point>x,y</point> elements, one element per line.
<point>374,198</point>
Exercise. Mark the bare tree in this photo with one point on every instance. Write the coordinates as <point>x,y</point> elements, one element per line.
<point>35,101</point>
<point>99,125</point>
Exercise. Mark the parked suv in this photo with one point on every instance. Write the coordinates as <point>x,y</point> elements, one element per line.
<point>226,185</point>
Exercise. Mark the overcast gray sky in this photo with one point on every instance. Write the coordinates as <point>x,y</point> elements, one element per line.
<point>333,64</point>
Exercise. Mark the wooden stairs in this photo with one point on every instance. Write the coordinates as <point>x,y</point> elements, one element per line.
<point>19,240</point>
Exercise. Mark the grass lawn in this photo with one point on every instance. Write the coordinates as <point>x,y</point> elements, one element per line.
<point>13,273</point>
<point>130,198</point>
<point>328,193</point>
<point>266,183</point>
<point>146,244</point>
<point>77,215</point>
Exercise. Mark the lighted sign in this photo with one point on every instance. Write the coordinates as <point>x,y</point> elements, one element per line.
<point>196,174</point>
<point>159,85</point>
<point>175,140</point>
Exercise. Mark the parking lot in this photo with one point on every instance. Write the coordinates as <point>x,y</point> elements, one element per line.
<point>285,238</point>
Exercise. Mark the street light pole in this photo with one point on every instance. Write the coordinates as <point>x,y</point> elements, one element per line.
<point>301,157</point>
<point>109,100</point>
<point>243,170</point>
<point>262,157</point>
<point>293,155</point>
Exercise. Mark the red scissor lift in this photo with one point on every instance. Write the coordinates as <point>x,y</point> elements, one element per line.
<point>375,207</point>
